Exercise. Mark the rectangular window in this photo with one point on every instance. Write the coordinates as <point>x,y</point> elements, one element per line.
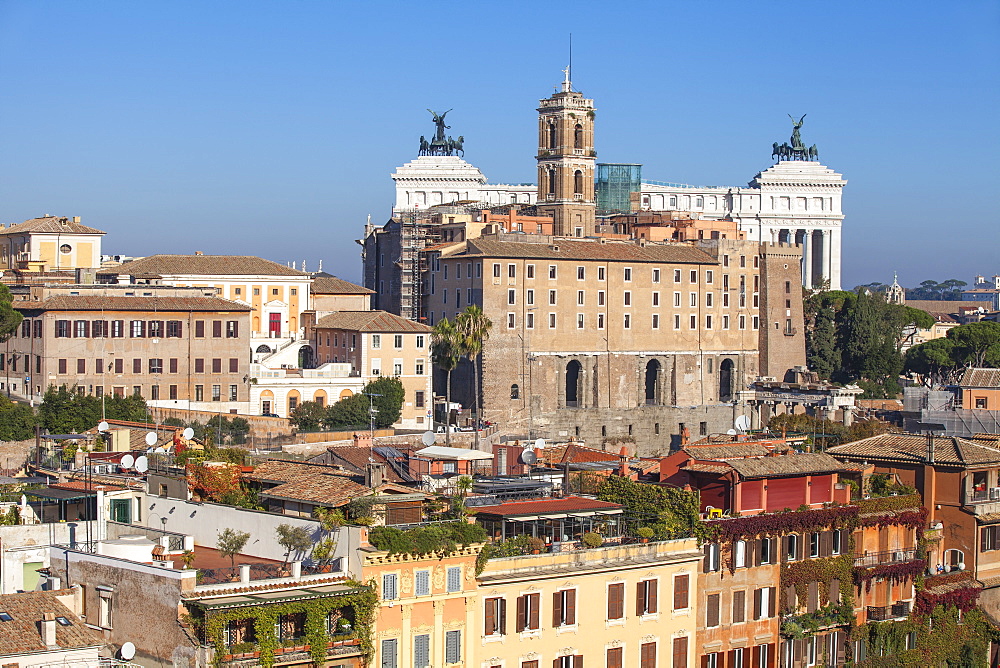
<point>390,653</point>
<point>647,655</point>
<point>763,603</point>
<point>529,297</point>
<point>709,276</point>
<point>552,271</point>
<point>422,583</point>
<point>454,579</point>
<point>814,544</point>
<point>217,396</point>
<point>581,273</point>
<point>105,609</point>
<point>376,341</point>
<point>579,321</point>
<point>511,271</point>
<point>495,616</point>
<point>725,322</point>
<point>174,329</point>
<point>529,271</point>
<point>645,597</point>
<point>693,299</point>
<point>580,297</point>
<point>199,329</point>
<point>496,270</point>
<point>708,322</point>
<point>552,297</point>
<point>628,274</point>
<point>694,276</point>
<point>62,329</point>
<point>422,651</point>
<point>677,322</point>
<point>628,321</point>
<point>680,653</point>
<point>552,320</point>
<point>136,365</point>
<point>529,320</point>
<point>232,329</point>
<point>564,608</point>
<point>656,299</point>
<point>682,588</point>
<point>739,606</point>
<point>708,300</point>
<point>216,365</point>
<point>600,321</point>
<point>511,296</point>
<point>600,297</point>
<point>390,589</point>
<point>81,329</point>
<point>527,612</point>
<point>156,329</point>
<point>656,321</point>
<point>453,645</point>
<point>81,366</point>
<point>614,658</point>
<point>656,275</point>
<point>217,328</point>
<point>712,560</point>
<point>199,365</point>
<point>600,273</point>
<point>677,299</point>
<point>712,610</point>
<point>138,329</point>
<point>511,320</point>
<point>627,298</point>
<point>155,365</point>
<point>119,365</point>
<point>616,600</point>
<point>693,322</point>
<point>234,365</point>
<point>233,393</point>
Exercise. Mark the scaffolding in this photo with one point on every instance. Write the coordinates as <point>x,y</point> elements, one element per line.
<point>614,184</point>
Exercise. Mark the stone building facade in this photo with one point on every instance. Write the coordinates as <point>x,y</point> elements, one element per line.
<point>176,347</point>
<point>605,339</point>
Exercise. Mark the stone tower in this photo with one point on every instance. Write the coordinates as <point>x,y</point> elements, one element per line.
<point>566,160</point>
<point>895,293</point>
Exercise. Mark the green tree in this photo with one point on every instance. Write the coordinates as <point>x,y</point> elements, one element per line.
<point>446,351</point>
<point>388,404</point>
<point>936,360</point>
<point>293,539</point>
<point>350,412</point>
<point>17,420</point>
<point>308,416</point>
<point>979,341</point>
<point>10,317</point>
<point>230,543</point>
<point>474,330</point>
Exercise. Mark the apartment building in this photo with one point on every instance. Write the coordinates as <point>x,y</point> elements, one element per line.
<point>376,343</point>
<point>615,606</point>
<point>603,339</point>
<point>50,244</point>
<point>176,347</point>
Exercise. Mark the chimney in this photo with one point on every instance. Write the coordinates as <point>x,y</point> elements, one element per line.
<point>199,253</point>
<point>374,474</point>
<point>76,219</point>
<point>244,573</point>
<point>930,448</point>
<point>362,440</point>
<point>48,625</point>
<point>296,569</point>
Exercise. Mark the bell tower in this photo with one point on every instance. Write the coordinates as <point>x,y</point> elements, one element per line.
<point>566,158</point>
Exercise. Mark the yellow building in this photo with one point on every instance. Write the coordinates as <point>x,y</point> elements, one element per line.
<point>427,615</point>
<point>624,605</point>
<point>50,243</point>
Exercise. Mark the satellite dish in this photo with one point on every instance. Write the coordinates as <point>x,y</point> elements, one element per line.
<point>742,423</point>
<point>428,438</point>
<point>103,426</point>
<point>160,450</point>
<point>151,438</point>
<point>142,464</point>
<point>528,456</point>
<point>127,652</point>
<point>188,434</point>
<point>127,461</point>
<point>540,443</point>
<point>732,432</point>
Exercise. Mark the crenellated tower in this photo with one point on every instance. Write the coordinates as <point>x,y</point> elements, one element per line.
<point>566,158</point>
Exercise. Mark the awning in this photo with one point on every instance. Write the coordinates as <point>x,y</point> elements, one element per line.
<point>55,494</point>
<point>274,596</point>
<point>456,454</point>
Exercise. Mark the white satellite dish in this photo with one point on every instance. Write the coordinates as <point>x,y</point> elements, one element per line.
<point>528,456</point>
<point>127,652</point>
<point>142,464</point>
<point>188,433</point>
<point>540,443</point>
<point>732,432</point>
<point>160,450</point>
<point>428,438</point>
<point>742,423</point>
<point>103,426</point>
<point>151,438</point>
<point>127,461</point>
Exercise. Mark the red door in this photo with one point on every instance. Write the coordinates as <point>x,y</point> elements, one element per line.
<point>274,325</point>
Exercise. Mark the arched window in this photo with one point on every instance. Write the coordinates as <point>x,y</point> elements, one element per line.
<point>578,182</point>
<point>553,135</point>
<point>515,391</point>
<point>578,136</point>
<point>954,560</point>
<point>726,380</point>
<point>262,348</point>
<point>573,370</point>
<point>652,382</point>
<point>552,182</point>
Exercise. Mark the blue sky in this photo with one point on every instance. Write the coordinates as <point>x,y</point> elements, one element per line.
<point>271,128</point>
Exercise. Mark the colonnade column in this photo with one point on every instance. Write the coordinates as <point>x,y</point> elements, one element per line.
<point>807,247</point>
<point>827,268</point>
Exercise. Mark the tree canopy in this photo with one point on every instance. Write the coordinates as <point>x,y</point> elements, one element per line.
<point>10,317</point>
<point>64,410</point>
<point>385,395</point>
<point>941,361</point>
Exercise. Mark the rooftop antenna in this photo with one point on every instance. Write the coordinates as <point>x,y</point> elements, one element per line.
<point>567,82</point>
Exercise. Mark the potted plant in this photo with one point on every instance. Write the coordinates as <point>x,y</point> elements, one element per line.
<point>593,539</point>
<point>644,533</point>
<point>187,557</point>
<point>536,545</point>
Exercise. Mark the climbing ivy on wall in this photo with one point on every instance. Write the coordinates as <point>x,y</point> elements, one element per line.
<point>799,574</point>
<point>363,602</point>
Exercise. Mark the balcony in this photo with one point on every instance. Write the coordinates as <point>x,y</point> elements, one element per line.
<point>872,559</point>
<point>882,613</point>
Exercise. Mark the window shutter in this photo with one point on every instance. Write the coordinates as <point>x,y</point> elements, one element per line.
<point>708,558</point>
<point>680,653</point>
<point>772,595</point>
<point>755,657</point>
<point>578,661</point>
<point>647,655</point>
<point>502,621</point>
<point>704,660</point>
<point>826,544</point>
<point>841,650</point>
<point>557,608</point>
<point>640,598</point>
<point>834,594</point>
<point>533,616</point>
<point>712,614</point>
<point>389,653</point>
<point>751,556</point>
<point>452,646</point>
<point>490,621</point>
<point>739,606</point>
<point>614,658</point>
<point>731,659</point>
<point>812,597</point>
<point>651,591</point>
<point>571,606</point>
<point>681,592</point>
<point>757,601</point>
<point>422,651</point>
<point>522,612</point>
<point>784,549</point>
<point>982,540</point>
<point>557,663</point>
<point>616,601</point>
<point>790,601</point>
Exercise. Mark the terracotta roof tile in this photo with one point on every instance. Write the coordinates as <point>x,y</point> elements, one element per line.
<point>547,506</point>
<point>705,467</point>
<point>589,250</point>
<point>980,378</point>
<point>327,489</point>
<point>285,470</point>
<point>331,285</point>
<point>22,633</point>
<point>728,451</point>
<point>115,303</point>
<point>205,265</point>
<point>54,224</point>
<point>913,448</point>
<point>371,321</point>
<point>356,459</point>
<point>794,463</point>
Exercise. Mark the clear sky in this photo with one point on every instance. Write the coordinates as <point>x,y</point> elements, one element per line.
<point>271,128</point>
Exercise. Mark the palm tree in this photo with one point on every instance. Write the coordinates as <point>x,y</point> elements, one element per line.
<point>474,328</point>
<point>445,352</point>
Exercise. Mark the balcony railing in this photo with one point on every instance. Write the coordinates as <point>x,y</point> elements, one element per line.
<point>873,559</point>
<point>881,613</point>
<point>984,495</point>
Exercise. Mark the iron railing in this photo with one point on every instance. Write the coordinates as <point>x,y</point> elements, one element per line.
<point>872,559</point>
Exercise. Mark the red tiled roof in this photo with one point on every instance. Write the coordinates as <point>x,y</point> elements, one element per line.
<point>84,485</point>
<point>51,225</point>
<point>331,285</point>
<point>204,265</point>
<point>981,378</point>
<point>547,506</point>
<point>705,467</point>
<point>116,303</point>
<point>370,321</point>
<point>22,635</point>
